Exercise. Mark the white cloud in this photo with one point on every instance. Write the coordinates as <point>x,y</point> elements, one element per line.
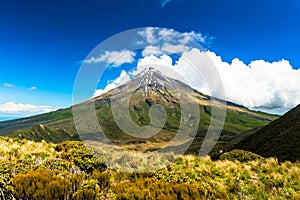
<point>32,88</point>
<point>260,85</point>
<point>116,58</point>
<point>163,60</point>
<point>19,109</point>
<point>271,87</point>
<point>167,34</point>
<point>123,78</point>
<point>8,85</point>
<point>175,48</point>
<point>159,36</point>
<point>163,3</point>
<point>149,34</point>
<point>168,41</point>
<point>152,50</point>
<point>188,36</point>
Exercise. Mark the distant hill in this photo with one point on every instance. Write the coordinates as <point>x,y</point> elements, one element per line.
<point>58,126</point>
<point>42,132</point>
<point>280,139</point>
<point>147,89</point>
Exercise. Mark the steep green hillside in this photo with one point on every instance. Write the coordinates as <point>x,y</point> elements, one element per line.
<point>280,139</point>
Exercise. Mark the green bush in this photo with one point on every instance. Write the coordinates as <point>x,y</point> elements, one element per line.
<point>76,152</point>
<point>150,188</point>
<point>41,184</point>
<point>84,194</point>
<point>240,155</point>
<point>89,190</point>
<point>103,178</point>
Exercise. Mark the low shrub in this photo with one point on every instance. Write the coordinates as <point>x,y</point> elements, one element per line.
<point>240,155</point>
<point>41,184</point>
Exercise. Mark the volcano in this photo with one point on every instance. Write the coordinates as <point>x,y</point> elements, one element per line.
<point>153,110</point>
<point>144,114</point>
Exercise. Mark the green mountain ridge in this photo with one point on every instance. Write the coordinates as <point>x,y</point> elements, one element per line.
<point>280,138</point>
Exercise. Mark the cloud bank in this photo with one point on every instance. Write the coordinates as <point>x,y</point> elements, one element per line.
<point>20,110</point>
<point>270,87</point>
<point>261,85</point>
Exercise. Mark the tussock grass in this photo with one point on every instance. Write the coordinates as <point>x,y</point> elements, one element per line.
<point>28,169</point>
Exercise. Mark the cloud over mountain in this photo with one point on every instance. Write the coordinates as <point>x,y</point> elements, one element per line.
<point>123,78</point>
<point>261,85</point>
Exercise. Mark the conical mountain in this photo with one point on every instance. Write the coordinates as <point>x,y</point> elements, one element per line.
<point>150,101</point>
<point>151,88</point>
<point>280,139</point>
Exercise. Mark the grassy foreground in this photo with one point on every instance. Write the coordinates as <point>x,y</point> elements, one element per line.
<point>40,170</point>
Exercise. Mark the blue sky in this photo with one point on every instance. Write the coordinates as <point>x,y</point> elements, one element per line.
<point>43,42</point>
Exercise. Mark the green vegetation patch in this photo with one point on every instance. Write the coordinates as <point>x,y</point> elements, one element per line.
<point>38,170</point>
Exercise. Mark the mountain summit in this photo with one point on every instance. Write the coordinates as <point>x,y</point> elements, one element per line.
<point>151,80</point>
<point>151,83</point>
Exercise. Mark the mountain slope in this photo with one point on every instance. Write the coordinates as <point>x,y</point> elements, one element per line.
<point>25,123</point>
<point>280,139</point>
<point>150,88</point>
<point>41,132</point>
<point>146,90</point>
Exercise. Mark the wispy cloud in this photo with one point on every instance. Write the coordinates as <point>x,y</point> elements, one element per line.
<point>20,109</point>
<point>8,85</point>
<point>152,50</point>
<point>163,3</point>
<point>163,41</point>
<point>116,58</point>
<point>32,88</point>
